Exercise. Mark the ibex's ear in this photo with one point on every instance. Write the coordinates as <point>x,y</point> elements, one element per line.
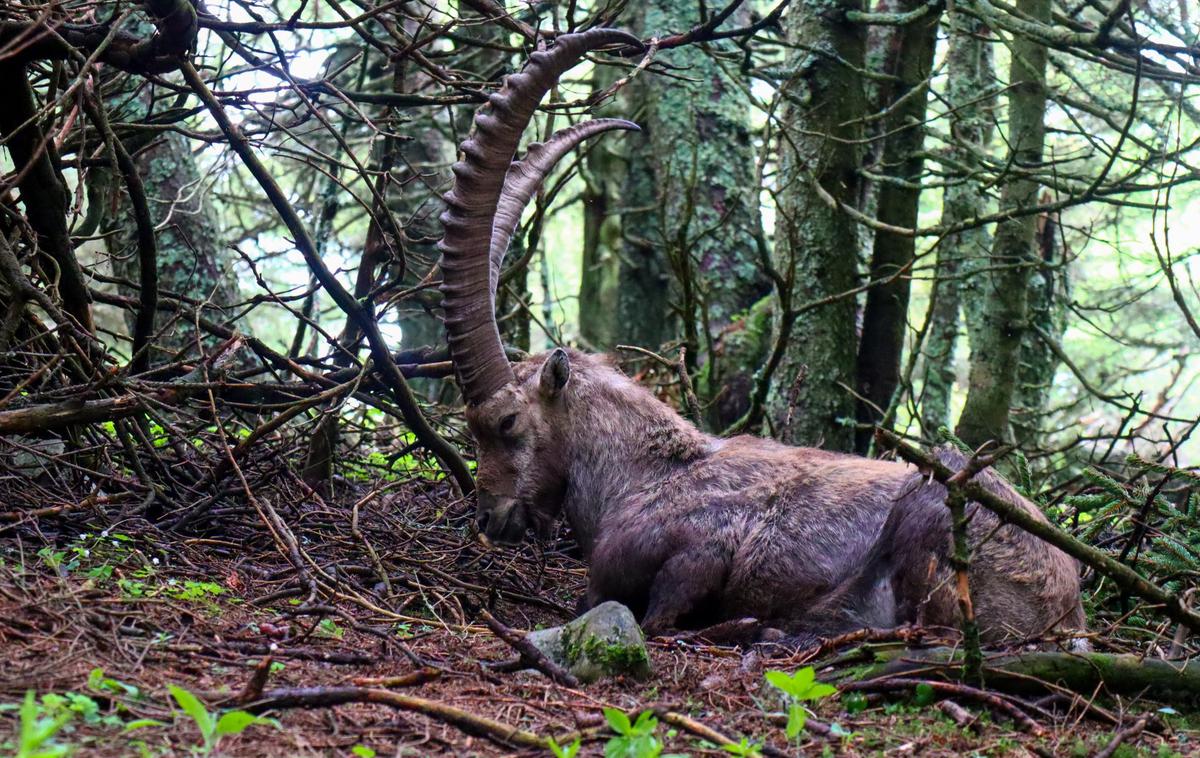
<point>555,373</point>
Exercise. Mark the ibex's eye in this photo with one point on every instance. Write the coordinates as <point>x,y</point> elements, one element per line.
<point>507,423</point>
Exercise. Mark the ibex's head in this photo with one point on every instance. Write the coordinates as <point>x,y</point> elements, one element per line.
<point>521,475</point>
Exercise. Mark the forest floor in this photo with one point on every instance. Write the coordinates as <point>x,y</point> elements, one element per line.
<point>99,621</point>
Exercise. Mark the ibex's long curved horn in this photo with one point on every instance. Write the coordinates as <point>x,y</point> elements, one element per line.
<point>526,175</point>
<point>482,209</point>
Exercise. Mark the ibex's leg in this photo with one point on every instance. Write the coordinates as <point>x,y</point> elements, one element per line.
<point>683,584</point>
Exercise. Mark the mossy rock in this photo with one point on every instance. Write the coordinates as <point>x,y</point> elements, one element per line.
<point>605,641</point>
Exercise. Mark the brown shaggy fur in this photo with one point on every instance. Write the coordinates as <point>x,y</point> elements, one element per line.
<point>689,529</point>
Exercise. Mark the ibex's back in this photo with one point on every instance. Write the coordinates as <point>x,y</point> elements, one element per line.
<point>684,527</point>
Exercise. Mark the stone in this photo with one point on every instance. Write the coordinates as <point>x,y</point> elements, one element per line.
<point>605,641</point>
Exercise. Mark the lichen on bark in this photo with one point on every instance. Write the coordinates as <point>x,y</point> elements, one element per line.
<point>816,245</point>
<point>959,255</point>
<point>691,210</point>
<point>1004,311</point>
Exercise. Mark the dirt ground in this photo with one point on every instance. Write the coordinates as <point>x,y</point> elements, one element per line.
<point>99,616</point>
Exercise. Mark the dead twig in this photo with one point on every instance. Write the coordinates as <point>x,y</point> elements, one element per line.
<point>327,697</point>
<point>529,653</point>
<point>993,701</point>
<point>1122,736</point>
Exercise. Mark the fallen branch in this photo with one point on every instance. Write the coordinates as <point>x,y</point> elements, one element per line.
<point>961,691</point>
<point>326,697</point>
<point>1122,736</point>
<point>1035,672</point>
<point>704,732</point>
<point>530,655</point>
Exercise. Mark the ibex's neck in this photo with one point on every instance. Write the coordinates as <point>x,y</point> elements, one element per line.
<point>622,440</point>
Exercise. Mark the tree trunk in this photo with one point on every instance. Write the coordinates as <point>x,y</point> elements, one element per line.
<point>1031,673</point>
<point>1038,363</point>
<point>193,257</point>
<point>908,56</point>
<point>969,74</point>
<point>693,210</point>
<point>44,193</point>
<point>817,246</point>
<point>603,174</point>
<point>1004,311</point>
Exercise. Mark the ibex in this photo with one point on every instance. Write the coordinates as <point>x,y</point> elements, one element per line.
<point>685,528</point>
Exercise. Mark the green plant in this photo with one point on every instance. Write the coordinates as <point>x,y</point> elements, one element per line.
<point>37,728</point>
<point>923,694</point>
<point>98,682</point>
<point>213,728</point>
<point>799,688</point>
<point>635,739</point>
<point>327,627</point>
<point>854,702</point>
<point>362,751</point>
<point>570,751</point>
<point>745,748</point>
<point>195,591</point>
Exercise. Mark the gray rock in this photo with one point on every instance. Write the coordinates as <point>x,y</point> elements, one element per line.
<point>605,641</point>
<point>34,456</point>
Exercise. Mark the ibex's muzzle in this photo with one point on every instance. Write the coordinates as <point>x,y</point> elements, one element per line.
<point>501,518</point>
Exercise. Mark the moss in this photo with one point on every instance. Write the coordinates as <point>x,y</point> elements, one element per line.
<point>591,655</point>
<point>690,189</point>
<point>616,656</point>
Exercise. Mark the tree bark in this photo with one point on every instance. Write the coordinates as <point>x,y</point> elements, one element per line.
<point>605,167</point>
<point>908,56</point>
<point>43,193</point>
<point>1035,672</point>
<point>1005,307</point>
<point>692,205</point>
<point>1038,363</point>
<point>816,246</point>
<point>969,73</point>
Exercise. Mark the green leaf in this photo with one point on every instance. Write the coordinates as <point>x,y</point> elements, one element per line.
<point>236,722</point>
<point>570,751</point>
<point>780,681</point>
<point>854,702</point>
<point>192,706</point>
<point>142,724</point>
<point>646,723</point>
<point>618,720</point>
<point>797,717</point>
<point>923,694</point>
<point>819,690</point>
<point>362,751</point>
<point>803,679</point>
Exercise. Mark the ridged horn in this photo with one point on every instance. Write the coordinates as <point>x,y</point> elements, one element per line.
<point>471,249</point>
<point>526,175</point>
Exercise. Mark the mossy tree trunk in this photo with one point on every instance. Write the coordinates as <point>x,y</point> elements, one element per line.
<point>691,216</point>
<point>969,73</point>
<point>604,170</point>
<point>816,246</point>
<point>906,53</point>
<point>1004,309</point>
<point>194,260</point>
<point>1047,315</point>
